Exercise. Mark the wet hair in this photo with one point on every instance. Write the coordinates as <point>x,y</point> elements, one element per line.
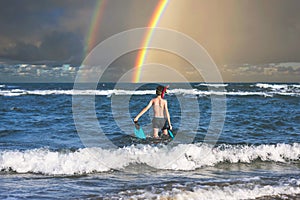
<point>159,90</point>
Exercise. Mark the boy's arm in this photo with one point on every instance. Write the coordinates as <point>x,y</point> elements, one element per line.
<point>143,111</point>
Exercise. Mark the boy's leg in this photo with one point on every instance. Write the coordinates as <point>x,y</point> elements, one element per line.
<point>165,131</point>
<point>165,128</point>
<point>155,132</point>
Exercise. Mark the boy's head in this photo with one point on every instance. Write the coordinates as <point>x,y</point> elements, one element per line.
<point>159,90</point>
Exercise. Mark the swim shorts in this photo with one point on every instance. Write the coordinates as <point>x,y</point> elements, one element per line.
<point>161,123</point>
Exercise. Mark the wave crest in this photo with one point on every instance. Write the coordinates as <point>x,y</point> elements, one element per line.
<point>185,92</point>
<point>181,157</point>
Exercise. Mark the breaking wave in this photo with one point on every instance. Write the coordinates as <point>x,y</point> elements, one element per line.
<point>180,157</point>
<point>232,192</point>
<point>188,92</point>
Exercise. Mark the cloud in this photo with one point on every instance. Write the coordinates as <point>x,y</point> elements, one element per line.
<point>55,29</point>
<point>43,30</point>
<point>274,72</point>
<point>21,51</point>
<point>37,73</point>
<point>57,46</point>
<point>61,46</point>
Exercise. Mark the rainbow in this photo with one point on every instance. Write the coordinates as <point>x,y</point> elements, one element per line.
<point>95,25</point>
<point>91,38</point>
<point>161,6</point>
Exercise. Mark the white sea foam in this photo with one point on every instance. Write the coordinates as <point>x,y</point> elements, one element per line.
<point>181,157</point>
<point>281,89</point>
<point>19,92</point>
<point>296,86</point>
<point>2,86</point>
<point>272,86</point>
<point>227,93</point>
<point>232,192</point>
<point>286,91</point>
<point>278,87</point>
<point>212,85</point>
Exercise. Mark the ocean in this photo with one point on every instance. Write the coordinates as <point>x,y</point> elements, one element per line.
<point>233,141</point>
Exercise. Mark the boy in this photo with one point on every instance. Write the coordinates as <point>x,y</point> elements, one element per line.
<point>161,119</point>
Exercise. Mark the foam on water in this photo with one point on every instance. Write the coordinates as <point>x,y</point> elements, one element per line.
<point>186,92</point>
<point>181,157</point>
<point>283,88</point>
<point>212,85</point>
<point>19,92</point>
<point>232,192</point>
<point>296,86</point>
<point>272,86</point>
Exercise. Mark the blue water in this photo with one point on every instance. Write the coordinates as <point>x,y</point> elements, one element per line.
<point>255,154</point>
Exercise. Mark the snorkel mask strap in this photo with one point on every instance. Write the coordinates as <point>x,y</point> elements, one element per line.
<point>164,91</point>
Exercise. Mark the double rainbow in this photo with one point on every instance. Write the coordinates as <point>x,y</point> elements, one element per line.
<point>95,25</point>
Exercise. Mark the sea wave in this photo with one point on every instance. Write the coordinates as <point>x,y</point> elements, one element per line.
<point>180,157</point>
<point>271,86</point>
<point>232,192</point>
<point>280,89</point>
<point>185,92</point>
<point>212,85</point>
<point>19,92</point>
<point>276,87</point>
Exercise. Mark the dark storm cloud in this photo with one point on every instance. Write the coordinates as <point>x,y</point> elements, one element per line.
<point>39,30</point>
<point>57,30</point>
<point>61,46</point>
<point>23,18</point>
<point>21,51</point>
<point>56,46</point>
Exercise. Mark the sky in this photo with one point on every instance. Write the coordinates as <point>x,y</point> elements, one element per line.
<point>249,40</point>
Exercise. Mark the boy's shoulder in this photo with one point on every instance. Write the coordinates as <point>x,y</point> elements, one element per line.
<point>156,99</point>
